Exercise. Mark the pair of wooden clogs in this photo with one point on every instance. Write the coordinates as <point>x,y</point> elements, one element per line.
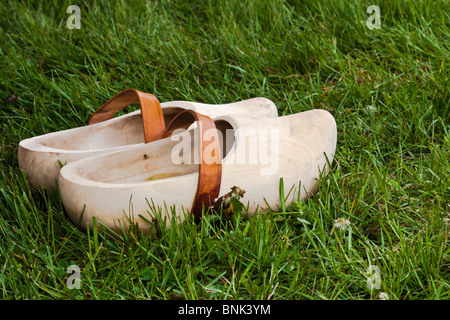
<point>181,154</point>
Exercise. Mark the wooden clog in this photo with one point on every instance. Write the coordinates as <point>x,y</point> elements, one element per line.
<point>42,157</point>
<point>252,153</point>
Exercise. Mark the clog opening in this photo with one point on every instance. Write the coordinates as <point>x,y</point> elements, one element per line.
<point>127,131</point>
<point>169,158</point>
<point>226,135</point>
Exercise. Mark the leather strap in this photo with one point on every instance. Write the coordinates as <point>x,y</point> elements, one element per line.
<point>210,171</point>
<point>152,116</point>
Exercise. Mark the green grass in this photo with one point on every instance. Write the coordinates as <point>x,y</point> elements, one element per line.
<point>387,88</point>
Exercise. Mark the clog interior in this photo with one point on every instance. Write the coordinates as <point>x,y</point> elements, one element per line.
<point>126,130</point>
<point>167,158</point>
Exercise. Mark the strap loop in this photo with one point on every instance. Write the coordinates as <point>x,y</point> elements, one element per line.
<point>152,116</point>
<point>210,172</point>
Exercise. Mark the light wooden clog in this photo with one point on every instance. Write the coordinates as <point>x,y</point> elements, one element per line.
<point>252,153</point>
<point>42,157</point>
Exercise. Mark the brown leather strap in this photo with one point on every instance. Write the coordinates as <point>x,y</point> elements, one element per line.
<point>210,171</point>
<point>152,116</point>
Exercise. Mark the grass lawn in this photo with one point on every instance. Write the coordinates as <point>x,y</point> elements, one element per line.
<point>387,88</point>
